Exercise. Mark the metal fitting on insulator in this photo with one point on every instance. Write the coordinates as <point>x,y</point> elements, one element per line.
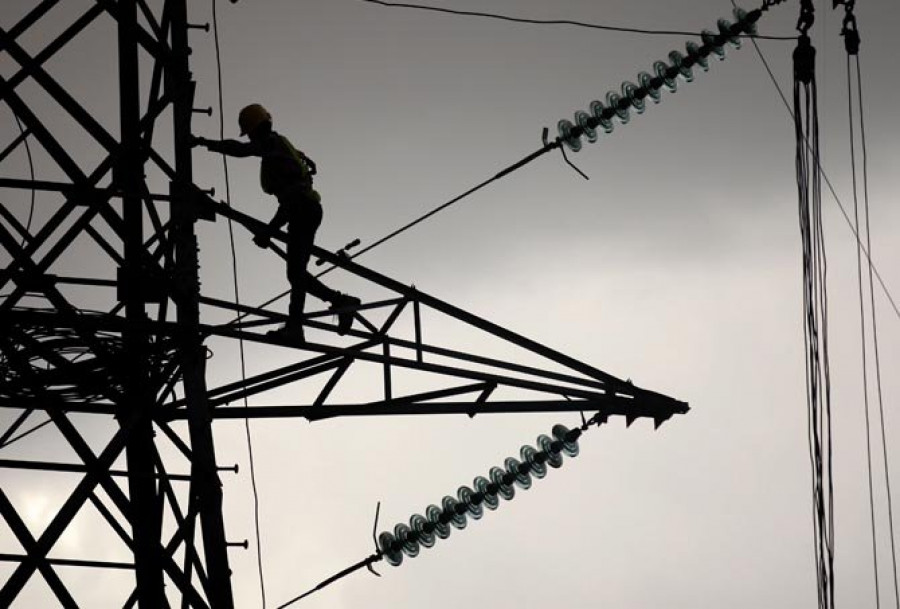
<point>850,34</point>
<point>807,16</point>
<point>804,60</point>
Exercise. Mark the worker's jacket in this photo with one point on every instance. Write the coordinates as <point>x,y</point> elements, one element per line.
<point>284,170</point>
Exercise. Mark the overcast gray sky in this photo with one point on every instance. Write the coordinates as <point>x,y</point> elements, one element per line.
<point>677,264</point>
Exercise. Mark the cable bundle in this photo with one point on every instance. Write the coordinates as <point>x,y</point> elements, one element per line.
<point>501,482</point>
<point>618,104</point>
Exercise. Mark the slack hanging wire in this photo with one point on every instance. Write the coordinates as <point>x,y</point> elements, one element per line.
<point>469,502</point>
<point>237,299</point>
<point>851,37</point>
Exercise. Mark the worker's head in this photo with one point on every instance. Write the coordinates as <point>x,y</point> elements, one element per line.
<point>252,118</point>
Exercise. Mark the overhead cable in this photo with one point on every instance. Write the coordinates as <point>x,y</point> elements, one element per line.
<point>827,181</point>
<point>851,37</point>
<point>568,22</point>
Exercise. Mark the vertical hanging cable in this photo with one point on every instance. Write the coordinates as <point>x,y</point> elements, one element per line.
<point>851,44</point>
<point>862,331</point>
<point>237,299</point>
<point>887,472</point>
<point>815,304</point>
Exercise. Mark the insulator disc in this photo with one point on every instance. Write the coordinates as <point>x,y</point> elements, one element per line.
<point>662,70</point>
<point>569,447</point>
<point>538,470</point>
<point>417,523</point>
<point>553,459</point>
<point>481,485</point>
<point>725,30</point>
<point>596,109</point>
<point>465,497</point>
<point>523,480</point>
<point>582,119</point>
<point>693,50</point>
<point>628,91</point>
<point>612,101</point>
<point>565,127</point>
<point>441,529</point>
<point>740,15</point>
<point>507,491</point>
<point>709,41</point>
<point>644,80</point>
<point>393,557</point>
<point>409,546</point>
<point>677,59</point>
<point>456,519</point>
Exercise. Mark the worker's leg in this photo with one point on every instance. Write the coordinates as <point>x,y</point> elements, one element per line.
<point>301,234</point>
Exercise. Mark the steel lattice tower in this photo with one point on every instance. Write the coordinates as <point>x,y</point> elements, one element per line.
<point>139,359</point>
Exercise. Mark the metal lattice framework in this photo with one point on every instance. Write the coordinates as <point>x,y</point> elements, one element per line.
<point>137,360</point>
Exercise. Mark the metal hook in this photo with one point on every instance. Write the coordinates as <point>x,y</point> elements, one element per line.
<point>375,540</point>
<point>571,164</point>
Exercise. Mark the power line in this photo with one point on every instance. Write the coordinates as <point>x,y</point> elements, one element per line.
<point>828,183</point>
<point>863,342</point>
<point>887,476</point>
<point>237,300</point>
<point>569,22</point>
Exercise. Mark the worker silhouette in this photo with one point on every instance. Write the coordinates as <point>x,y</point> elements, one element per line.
<point>286,173</point>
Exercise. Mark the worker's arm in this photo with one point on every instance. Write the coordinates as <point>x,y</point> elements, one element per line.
<point>280,218</point>
<point>229,147</point>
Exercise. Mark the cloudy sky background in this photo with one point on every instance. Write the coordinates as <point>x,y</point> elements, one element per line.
<point>677,265</point>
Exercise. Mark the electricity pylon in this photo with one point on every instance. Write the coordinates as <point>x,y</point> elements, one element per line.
<point>122,340</point>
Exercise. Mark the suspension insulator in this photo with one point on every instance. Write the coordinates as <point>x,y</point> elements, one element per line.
<point>743,19</point>
<point>685,71</point>
<point>583,120</point>
<point>504,489</point>
<point>569,444</point>
<point>424,529</point>
<point>614,101</point>
<point>693,51</point>
<point>408,543</point>
<point>389,547</point>
<point>529,454</point>
<point>597,111</point>
<point>635,96</point>
<point>565,128</point>
<point>545,443</point>
<point>646,82</point>
<point>457,517</point>
<point>725,29</point>
<point>710,41</point>
<point>661,68</point>
<point>481,485</point>
<point>520,474</point>
<point>467,498</point>
<point>441,527</point>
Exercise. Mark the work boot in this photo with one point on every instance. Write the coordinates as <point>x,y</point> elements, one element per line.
<point>345,306</point>
<point>290,332</point>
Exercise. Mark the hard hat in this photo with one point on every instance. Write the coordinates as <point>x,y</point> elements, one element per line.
<point>251,117</point>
